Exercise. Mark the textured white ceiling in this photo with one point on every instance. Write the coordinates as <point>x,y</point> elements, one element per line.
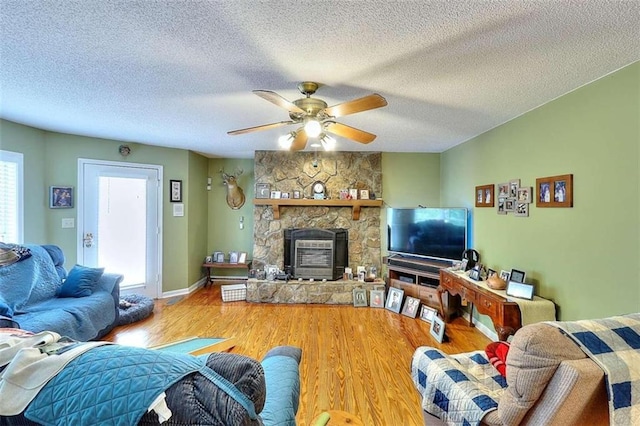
<point>180,73</point>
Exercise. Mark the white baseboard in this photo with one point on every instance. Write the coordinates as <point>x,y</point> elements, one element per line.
<point>185,291</point>
<point>491,334</point>
<point>229,277</point>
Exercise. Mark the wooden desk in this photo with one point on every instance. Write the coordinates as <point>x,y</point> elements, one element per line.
<point>504,314</point>
<point>224,265</point>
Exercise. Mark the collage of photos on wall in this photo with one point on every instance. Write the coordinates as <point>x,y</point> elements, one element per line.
<point>512,198</point>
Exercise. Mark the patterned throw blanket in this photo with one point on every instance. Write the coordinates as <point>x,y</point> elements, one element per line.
<point>614,344</point>
<point>459,389</point>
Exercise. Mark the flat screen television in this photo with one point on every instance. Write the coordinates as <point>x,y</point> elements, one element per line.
<point>439,233</point>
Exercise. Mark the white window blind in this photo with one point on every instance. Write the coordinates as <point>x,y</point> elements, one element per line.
<point>11,193</point>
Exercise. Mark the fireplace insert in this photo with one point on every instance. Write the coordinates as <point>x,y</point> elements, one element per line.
<point>316,253</point>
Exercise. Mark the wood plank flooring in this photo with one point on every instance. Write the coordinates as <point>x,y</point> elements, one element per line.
<point>354,359</point>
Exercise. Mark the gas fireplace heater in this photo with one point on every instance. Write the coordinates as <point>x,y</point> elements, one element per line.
<point>316,253</point>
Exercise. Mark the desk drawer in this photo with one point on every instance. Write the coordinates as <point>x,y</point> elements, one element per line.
<point>488,305</point>
<point>429,296</point>
<point>446,280</point>
<point>466,293</point>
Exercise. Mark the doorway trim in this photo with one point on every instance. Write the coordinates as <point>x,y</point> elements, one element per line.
<point>80,203</point>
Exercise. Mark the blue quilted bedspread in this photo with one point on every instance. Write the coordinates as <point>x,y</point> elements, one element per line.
<point>109,385</point>
<point>614,344</point>
<point>459,389</point>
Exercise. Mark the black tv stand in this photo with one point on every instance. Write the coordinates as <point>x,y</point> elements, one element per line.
<point>419,278</point>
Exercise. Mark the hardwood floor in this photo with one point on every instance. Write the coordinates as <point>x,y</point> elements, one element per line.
<point>354,359</point>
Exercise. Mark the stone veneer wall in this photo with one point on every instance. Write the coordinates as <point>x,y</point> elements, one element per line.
<point>287,171</point>
<point>329,293</point>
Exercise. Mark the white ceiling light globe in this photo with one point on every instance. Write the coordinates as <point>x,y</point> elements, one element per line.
<point>313,128</point>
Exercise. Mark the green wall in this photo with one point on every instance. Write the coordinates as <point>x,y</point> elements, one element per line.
<point>197,213</point>
<point>584,258</point>
<point>31,143</point>
<point>408,180</point>
<point>52,159</point>
<point>224,223</point>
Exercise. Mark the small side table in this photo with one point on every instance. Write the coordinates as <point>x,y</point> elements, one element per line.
<point>224,265</point>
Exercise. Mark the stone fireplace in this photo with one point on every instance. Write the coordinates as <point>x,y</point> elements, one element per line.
<point>289,172</point>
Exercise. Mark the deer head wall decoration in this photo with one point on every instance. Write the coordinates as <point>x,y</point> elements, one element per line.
<point>235,194</point>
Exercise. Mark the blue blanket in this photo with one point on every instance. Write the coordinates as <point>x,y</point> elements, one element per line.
<point>459,389</point>
<point>116,385</point>
<point>614,344</point>
<point>30,280</point>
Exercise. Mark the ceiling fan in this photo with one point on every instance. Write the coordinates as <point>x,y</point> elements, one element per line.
<point>315,118</point>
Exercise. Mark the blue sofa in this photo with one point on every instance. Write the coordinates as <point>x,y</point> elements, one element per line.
<point>28,296</point>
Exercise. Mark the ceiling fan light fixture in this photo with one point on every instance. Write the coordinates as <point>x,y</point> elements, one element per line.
<point>313,128</point>
<point>285,141</point>
<point>328,142</point>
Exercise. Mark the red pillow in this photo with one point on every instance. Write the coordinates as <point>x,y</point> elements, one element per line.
<point>497,354</point>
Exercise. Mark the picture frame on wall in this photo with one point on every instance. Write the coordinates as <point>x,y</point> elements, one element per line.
<point>555,191</point>
<point>514,184</point>
<point>509,204</point>
<point>503,190</point>
<point>525,194</point>
<point>60,197</point>
<point>175,191</point>
<point>484,196</point>
<point>502,205</point>
<point>522,209</point>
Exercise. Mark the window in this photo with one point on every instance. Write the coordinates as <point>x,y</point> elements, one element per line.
<point>11,193</point>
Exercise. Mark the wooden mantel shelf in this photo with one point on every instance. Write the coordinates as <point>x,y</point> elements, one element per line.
<point>355,205</point>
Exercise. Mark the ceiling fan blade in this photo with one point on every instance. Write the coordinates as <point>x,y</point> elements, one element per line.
<point>357,105</point>
<point>257,128</point>
<point>300,142</point>
<point>278,100</point>
<point>350,132</point>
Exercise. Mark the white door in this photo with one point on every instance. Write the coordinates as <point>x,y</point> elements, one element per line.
<point>119,219</point>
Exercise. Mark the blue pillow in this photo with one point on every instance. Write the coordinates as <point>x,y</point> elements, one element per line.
<point>80,282</point>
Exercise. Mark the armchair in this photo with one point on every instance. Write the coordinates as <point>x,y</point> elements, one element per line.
<point>549,380</point>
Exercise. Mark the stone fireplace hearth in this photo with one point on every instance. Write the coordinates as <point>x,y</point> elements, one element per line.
<point>288,172</point>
